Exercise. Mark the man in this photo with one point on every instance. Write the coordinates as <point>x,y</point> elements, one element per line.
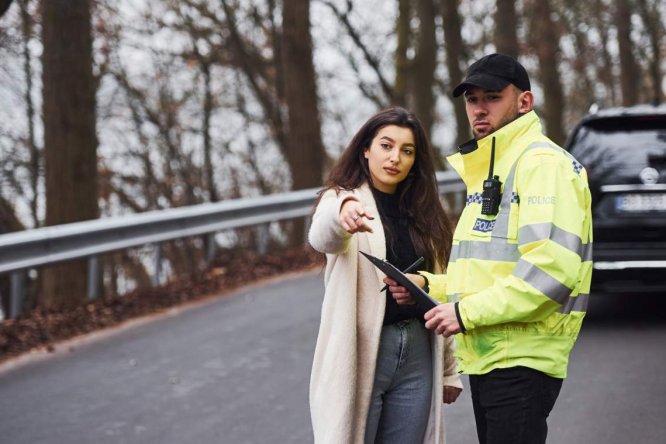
<point>519,273</point>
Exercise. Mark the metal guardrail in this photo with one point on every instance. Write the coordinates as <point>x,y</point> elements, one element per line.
<point>48,245</point>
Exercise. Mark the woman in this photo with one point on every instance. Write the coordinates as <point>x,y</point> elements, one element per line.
<point>378,375</point>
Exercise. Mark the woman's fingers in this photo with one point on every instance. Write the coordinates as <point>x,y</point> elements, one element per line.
<point>354,217</point>
<point>401,295</point>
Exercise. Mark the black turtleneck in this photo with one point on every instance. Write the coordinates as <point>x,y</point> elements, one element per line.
<point>399,250</point>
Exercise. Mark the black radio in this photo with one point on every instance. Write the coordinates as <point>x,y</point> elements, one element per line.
<point>491,197</point>
<point>492,189</point>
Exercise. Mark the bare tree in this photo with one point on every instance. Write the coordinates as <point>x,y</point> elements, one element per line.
<point>386,94</point>
<point>70,141</point>
<point>209,172</point>
<point>629,74</point>
<point>425,64</point>
<point>455,52</point>
<point>506,28</point>
<point>582,93</point>
<point>601,19</point>
<point>257,70</point>
<point>304,148</point>
<point>654,27</point>
<point>545,39</point>
<point>402,64</point>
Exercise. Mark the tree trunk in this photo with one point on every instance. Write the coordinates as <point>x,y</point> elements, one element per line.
<point>304,147</point>
<point>70,141</point>
<point>605,68</point>
<point>629,74</point>
<point>9,223</point>
<point>546,42</point>
<point>652,19</point>
<point>506,28</point>
<point>207,144</point>
<point>455,51</point>
<point>401,61</point>
<point>583,92</point>
<point>425,63</point>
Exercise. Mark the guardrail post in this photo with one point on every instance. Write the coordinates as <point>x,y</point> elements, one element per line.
<point>93,276</point>
<point>459,201</point>
<point>306,229</point>
<point>16,293</point>
<point>263,237</point>
<point>211,247</point>
<point>155,279</point>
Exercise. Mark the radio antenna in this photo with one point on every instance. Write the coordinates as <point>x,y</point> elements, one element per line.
<point>492,160</point>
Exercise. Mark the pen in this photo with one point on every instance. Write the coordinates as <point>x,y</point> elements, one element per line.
<point>409,269</point>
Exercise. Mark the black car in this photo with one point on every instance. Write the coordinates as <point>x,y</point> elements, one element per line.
<point>624,153</point>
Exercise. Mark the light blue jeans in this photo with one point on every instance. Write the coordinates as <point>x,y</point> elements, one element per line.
<point>402,390</point>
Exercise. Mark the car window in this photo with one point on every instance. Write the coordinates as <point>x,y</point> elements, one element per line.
<point>620,147</point>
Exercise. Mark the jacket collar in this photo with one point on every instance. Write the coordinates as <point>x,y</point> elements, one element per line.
<point>473,166</point>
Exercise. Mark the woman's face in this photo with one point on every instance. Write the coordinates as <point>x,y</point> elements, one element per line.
<point>391,155</point>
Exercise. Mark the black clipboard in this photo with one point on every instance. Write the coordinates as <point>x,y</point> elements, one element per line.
<point>423,299</point>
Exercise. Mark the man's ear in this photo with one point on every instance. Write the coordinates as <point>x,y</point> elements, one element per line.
<point>525,102</point>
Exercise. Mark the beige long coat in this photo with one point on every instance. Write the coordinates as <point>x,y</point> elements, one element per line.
<point>351,321</point>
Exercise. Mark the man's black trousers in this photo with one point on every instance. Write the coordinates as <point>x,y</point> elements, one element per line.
<point>511,405</point>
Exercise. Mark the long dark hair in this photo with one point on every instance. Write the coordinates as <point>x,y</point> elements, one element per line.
<point>429,227</point>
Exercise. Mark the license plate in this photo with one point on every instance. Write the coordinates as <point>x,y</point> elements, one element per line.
<point>641,202</point>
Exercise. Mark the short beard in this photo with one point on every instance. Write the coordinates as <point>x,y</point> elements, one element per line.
<point>501,125</point>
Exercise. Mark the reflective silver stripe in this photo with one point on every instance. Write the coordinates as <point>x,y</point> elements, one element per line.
<point>494,250</point>
<point>498,249</point>
<point>587,252</point>
<point>542,144</point>
<point>542,281</point>
<point>501,228</point>
<point>536,232</point>
<point>575,303</point>
<point>455,297</point>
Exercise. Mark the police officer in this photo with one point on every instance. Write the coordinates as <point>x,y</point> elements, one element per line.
<point>519,274</point>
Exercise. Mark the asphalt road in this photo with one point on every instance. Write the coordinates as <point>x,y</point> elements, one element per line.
<point>235,370</point>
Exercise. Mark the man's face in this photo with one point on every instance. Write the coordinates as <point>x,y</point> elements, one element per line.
<point>488,111</point>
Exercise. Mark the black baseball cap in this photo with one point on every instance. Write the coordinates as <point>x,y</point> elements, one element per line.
<point>493,73</point>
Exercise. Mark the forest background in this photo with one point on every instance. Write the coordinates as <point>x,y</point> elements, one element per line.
<point>111,107</point>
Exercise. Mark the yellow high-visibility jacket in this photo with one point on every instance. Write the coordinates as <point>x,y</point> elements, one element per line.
<point>522,277</point>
